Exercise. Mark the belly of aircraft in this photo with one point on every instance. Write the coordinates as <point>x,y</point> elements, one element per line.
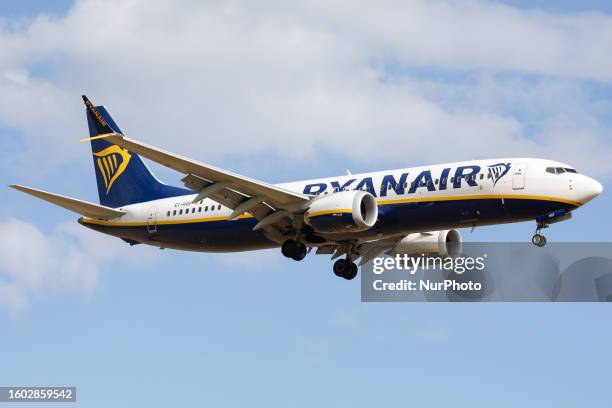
<point>397,218</point>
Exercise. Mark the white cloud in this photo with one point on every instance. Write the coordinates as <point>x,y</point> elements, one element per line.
<point>67,259</point>
<point>298,79</point>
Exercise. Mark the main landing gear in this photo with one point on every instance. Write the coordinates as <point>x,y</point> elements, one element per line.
<point>294,250</point>
<point>538,239</point>
<point>345,268</point>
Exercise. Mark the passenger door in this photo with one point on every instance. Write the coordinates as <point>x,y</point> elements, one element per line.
<point>152,220</point>
<point>518,176</point>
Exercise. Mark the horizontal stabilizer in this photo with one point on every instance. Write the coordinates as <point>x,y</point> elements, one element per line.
<point>78,206</point>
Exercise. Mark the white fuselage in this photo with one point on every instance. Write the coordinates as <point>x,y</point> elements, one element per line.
<point>462,194</point>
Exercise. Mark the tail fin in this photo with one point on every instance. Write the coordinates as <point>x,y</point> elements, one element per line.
<point>122,176</point>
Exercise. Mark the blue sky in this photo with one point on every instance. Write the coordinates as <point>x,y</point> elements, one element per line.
<point>283,93</point>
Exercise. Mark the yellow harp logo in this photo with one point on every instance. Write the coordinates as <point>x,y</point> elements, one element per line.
<point>112,161</point>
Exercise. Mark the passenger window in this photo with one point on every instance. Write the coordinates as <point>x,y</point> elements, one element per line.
<point>437,181</point>
<point>481,176</point>
<point>193,210</point>
<point>206,208</point>
<point>180,212</point>
<point>174,212</point>
<point>168,214</point>
<point>200,209</point>
<point>219,207</point>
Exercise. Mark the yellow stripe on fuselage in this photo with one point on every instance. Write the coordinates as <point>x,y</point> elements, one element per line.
<point>383,202</point>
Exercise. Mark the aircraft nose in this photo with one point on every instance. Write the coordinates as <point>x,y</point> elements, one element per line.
<point>590,189</point>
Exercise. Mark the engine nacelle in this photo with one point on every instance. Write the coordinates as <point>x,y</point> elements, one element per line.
<point>345,211</point>
<point>444,243</point>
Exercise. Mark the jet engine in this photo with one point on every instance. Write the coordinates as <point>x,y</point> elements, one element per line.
<point>346,211</point>
<point>444,243</point>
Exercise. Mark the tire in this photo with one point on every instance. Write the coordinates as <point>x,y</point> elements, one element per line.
<point>300,252</point>
<point>538,240</point>
<point>341,266</point>
<point>289,248</point>
<point>351,272</point>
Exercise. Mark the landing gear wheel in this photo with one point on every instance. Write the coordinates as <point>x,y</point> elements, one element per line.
<point>352,272</point>
<point>538,240</point>
<point>294,250</point>
<point>289,248</point>
<point>343,268</point>
<point>300,252</point>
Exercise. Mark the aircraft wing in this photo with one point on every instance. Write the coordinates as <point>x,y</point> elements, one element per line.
<point>78,206</point>
<point>268,203</point>
<point>275,196</point>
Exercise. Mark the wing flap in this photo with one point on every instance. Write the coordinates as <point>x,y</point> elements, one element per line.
<point>227,196</point>
<point>234,199</point>
<point>78,206</point>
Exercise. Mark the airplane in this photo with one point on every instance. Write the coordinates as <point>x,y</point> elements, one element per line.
<point>350,217</point>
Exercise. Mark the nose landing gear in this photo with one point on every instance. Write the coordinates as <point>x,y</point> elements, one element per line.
<point>538,239</point>
<point>544,221</point>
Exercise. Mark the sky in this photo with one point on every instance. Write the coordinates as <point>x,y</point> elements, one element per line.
<point>282,91</point>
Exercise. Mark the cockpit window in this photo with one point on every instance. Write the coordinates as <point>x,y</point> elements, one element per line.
<point>560,170</point>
